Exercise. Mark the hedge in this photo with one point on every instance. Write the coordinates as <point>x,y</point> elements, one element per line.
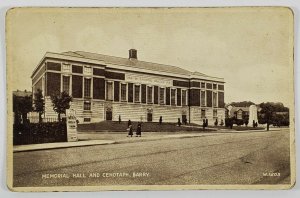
<point>37,133</point>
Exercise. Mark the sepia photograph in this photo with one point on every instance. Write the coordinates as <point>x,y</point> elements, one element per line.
<point>150,98</point>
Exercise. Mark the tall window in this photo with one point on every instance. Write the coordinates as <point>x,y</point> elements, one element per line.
<point>137,92</point>
<point>214,99</point>
<point>109,91</point>
<point>87,87</point>
<point>87,105</point>
<point>66,84</point>
<point>161,95</point>
<point>184,97</point>
<point>149,95</point>
<point>173,96</point>
<point>203,98</point>
<point>123,92</point>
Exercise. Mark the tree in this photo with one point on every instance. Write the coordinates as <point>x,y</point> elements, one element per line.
<point>61,102</point>
<point>39,103</point>
<point>242,104</point>
<point>268,114</point>
<point>21,106</point>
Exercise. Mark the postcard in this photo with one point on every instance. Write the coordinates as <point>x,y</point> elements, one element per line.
<point>150,98</point>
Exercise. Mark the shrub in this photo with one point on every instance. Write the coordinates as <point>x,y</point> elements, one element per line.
<point>239,122</point>
<point>37,133</point>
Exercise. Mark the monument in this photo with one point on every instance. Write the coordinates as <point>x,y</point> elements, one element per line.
<point>71,125</point>
<point>253,114</point>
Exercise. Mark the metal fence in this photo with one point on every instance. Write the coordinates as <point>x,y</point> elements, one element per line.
<point>35,119</point>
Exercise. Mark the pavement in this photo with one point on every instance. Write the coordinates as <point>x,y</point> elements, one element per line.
<point>211,159</point>
<point>103,138</point>
<point>34,147</point>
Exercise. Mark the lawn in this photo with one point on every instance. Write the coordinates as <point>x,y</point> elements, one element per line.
<point>114,126</point>
<point>239,128</point>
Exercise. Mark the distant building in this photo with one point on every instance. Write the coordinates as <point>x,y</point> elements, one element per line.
<point>107,87</point>
<point>243,113</point>
<point>237,112</point>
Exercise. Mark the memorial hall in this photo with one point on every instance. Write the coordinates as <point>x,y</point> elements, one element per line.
<point>111,88</point>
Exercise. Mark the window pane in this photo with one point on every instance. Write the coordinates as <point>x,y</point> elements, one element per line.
<point>87,70</point>
<point>109,91</point>
<point>202,98</point>
<point>137,93</point>
<point>184,102</point>
<point>149,95</point>
<point>87,105</point>
<point>202,85</point>
<point>173,95</point>
<point>123,92</point>
<point>66,84</point>
<point>87,87</point>
<point>162,96</point>
<point>214,99</point>
<point>214,86</point>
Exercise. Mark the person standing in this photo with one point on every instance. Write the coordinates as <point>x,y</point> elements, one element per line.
<point>129,123</point>
<point>206,122</point>
<point>203,124</point>
<point>139,130</point>
<point>130,132</point>
<point>179,123</point>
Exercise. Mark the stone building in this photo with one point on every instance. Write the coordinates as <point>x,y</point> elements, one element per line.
<point>107,87</point>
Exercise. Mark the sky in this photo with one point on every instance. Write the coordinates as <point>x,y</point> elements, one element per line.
<point>251,48</point>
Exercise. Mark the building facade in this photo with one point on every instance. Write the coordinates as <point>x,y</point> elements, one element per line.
<point>108,88</point>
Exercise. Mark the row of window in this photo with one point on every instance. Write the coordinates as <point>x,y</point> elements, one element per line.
<point>150,94</point>
<point>203,113</point>
<point>87,86</point>
<point>137,93</point>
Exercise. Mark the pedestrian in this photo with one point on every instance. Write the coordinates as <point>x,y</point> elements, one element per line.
<point>204,124</point>
<point>130,132</point>
<point>119,119</point>
<point>129,123</point>
<point>139,130</point>
<point>216,122</point>
<point>179,123</point>
<point>185,121</point>
<point>160,120</point>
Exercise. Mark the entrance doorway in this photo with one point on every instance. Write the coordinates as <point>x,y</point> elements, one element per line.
<point>149,117</point>
<point>183,119</point>
<point>108,114</point>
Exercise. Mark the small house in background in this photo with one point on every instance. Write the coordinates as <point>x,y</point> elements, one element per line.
<point>243,113</point>
<point>237,112</point>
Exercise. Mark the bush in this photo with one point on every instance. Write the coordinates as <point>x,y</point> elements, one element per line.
<point>229,121</point>
<point>239,122</point>
<point>37,133</point>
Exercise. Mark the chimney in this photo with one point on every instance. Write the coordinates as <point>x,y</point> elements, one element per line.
<point>132,54</point>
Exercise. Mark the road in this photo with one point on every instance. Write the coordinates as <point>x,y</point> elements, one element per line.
<point>229,158</point>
